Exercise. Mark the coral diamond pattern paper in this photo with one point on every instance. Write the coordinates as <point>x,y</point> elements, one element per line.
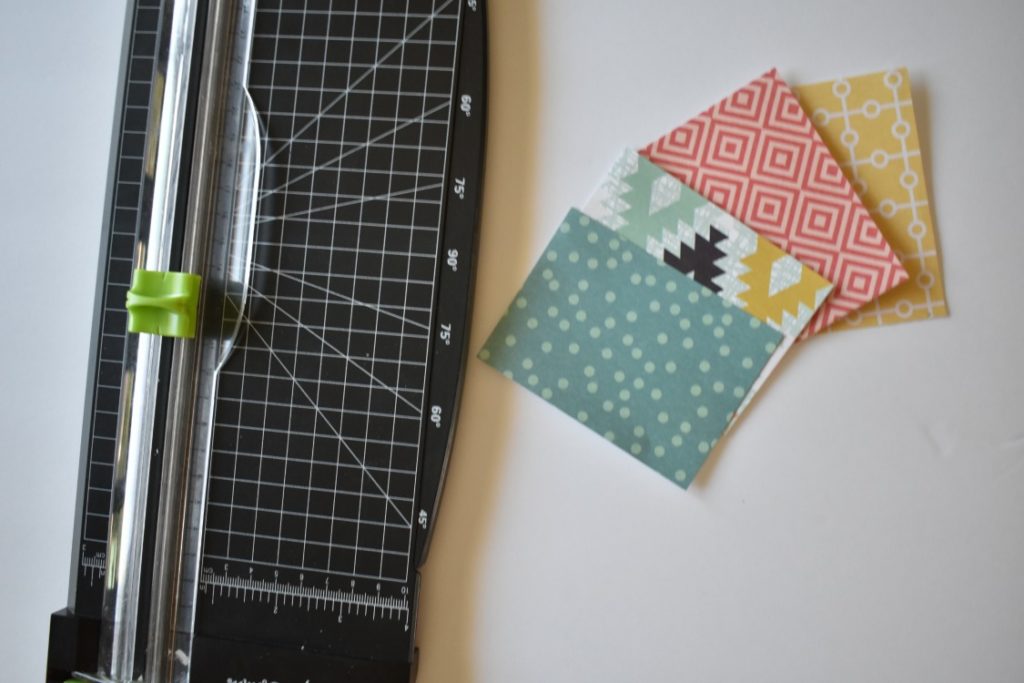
<point>756,155</point>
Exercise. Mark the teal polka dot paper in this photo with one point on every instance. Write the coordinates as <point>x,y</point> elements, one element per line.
<point>632,349</point>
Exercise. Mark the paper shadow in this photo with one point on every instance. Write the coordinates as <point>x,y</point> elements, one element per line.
<point>922,117</point>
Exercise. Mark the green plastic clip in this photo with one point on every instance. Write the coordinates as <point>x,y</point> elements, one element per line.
<point>163,303</point>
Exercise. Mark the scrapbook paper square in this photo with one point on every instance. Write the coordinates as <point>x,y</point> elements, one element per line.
<point>632,349</point>
<point>655,211</point>
<point>868,124</point>
<point>756,155</point>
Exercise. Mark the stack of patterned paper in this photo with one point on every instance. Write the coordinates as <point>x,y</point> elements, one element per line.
<point>656,312</point>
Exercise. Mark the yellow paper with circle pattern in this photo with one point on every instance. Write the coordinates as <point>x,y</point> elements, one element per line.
<point>868,124</point>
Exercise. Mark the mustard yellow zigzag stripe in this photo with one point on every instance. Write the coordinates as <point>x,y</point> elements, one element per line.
<point>771,308</point>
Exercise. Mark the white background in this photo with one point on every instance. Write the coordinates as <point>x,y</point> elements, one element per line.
<point>864,523</point>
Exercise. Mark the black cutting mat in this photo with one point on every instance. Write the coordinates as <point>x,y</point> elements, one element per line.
<point>124,214</point>
<point>320,412</point>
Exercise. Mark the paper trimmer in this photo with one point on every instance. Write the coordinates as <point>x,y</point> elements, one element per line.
<point>282,315</point>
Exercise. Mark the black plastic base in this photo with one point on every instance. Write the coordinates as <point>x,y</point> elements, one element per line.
<point>74,642</point>
<point>217,661</point>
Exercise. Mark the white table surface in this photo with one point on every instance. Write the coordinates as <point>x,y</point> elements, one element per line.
<point>864,523</point>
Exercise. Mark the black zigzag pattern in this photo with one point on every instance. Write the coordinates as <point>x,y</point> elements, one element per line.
<point>699,262</point>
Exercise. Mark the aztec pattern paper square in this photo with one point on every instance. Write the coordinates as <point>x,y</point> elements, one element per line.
<point>632,349</point>
<point>655,211</point>
<point>756,155</point>
<point>868,124</point>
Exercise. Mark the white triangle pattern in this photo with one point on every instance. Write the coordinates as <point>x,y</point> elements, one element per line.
<point>665,191</point>
<point>607,204</point>
<point>792,325</point>
<point>786,272</point>
<point>821,295</point>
